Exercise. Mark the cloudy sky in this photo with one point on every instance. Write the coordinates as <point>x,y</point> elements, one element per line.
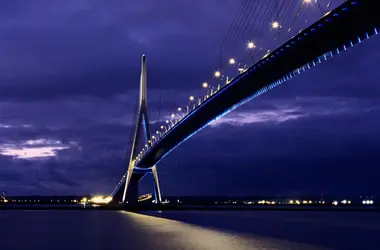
<point>69,76</point>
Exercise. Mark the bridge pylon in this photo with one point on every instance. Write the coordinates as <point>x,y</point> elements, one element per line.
<point>134,175</point>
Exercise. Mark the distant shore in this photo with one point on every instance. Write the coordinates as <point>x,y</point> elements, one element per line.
<point>190,207</point>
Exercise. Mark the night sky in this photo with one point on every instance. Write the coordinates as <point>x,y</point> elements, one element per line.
<point>69,78</point>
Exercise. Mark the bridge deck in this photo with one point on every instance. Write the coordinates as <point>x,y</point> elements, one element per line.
<point>345,26</point>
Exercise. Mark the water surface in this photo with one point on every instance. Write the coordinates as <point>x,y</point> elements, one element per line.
<point>60,229</point>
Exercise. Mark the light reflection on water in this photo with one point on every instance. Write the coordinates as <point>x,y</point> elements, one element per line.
<point>171,234</point>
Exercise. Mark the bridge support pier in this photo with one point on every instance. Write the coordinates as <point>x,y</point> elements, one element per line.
<point>134,175</point>
<point>131,188</point>
<point>156,185</point>
<point>132,191</point>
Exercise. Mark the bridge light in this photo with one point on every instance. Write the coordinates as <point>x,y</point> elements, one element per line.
<point>191,98</point>
<point>157,132</point>
<point>231,61</point>
<point>162,127</point>
<point>251,45</point>
<point>179,109</point>
<point>307,1</point>
<point>172,115</point>
<point>153,137</point>
<point>205,85</point>
<point>217,74</point>
<point>275,25</point>
<point>167,121</point>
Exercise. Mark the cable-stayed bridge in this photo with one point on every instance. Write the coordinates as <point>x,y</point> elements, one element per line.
<point>339,29</point>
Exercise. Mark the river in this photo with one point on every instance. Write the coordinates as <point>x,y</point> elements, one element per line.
<point>183,230</point>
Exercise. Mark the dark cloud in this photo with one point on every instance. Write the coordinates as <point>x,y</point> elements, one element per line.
<point>55,50</point>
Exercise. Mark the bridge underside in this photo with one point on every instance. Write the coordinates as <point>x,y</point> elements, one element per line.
<point>347,25</point>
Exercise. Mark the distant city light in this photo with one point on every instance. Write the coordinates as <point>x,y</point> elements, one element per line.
<point>367,202</point>
<point>275,25</point>
<point>217,74</point>
<point>335,203</point>
<point>231,61</point>
<point>101,199</point>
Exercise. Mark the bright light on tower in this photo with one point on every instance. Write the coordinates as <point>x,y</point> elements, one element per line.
<point>217,74</point>
<point>191,98</point>
<point>275,25</point>
<point>205,85</point>
<point>231,61</point>
<point>251,45</point>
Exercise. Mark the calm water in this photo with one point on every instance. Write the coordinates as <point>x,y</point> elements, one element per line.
<point>217,230</point>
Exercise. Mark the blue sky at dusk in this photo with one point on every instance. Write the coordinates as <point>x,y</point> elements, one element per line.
<point>69,79</point>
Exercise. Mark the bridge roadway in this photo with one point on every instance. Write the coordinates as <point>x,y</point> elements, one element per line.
<point>345,26</point>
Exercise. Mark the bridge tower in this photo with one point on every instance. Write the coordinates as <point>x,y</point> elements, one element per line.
<point>134,175</point>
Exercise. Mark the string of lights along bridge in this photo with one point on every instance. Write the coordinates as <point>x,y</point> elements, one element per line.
<point>268,43</point>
